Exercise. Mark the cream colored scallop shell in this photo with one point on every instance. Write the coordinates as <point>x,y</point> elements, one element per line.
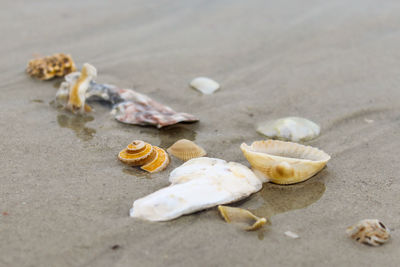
<point>185,149</point>
<point>241,216</point>
<point>369,231</point>
<point>284,162</point>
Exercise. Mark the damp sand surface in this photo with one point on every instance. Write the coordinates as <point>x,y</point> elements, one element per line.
<point>64,196</point>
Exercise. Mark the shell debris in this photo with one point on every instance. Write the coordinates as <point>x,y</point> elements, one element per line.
<point>45,68</point>
<point>150,158</point>
<point>291,234</point>
<point>369,231</point>
<point>289,129</point>
<point>243,217</point>
<point>185,149</point>
<point>205,85</point>
<point>284,162</point>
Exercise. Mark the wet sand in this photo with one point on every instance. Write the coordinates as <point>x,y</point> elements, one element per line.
<point>64,197</point>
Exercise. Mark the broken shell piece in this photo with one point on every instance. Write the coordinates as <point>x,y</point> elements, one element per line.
<point>139,153</point>
<point>72,93</point>
<point>291,234</point>
<point>185,149</point>
<point>369,231</point>
<point>159,163</point>
<point>205,85</point>
<point>284,162</point>
<point>198,184</point>
<point>57,65</point>
<point>289,129</point>
<point>241,216</point>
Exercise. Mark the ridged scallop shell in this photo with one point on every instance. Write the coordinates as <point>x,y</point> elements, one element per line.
<point>159,162</point>
<point>241,216</point>
<point>49,67</point>
<point>284,162</point>
<point>369,231</point>
<point>289,129</point>
<point>185,149</point>
<point>139,153</point>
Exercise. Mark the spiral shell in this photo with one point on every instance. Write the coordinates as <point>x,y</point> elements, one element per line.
<point>284,162</point>
<point>139,153</point>
<point>185,149</point>
<point>370,231</point>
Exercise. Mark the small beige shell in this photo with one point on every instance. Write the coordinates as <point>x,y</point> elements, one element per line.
<point>284,162</point>
<point>370,231</point>
<point>241,216</point>
<point>185,149</point>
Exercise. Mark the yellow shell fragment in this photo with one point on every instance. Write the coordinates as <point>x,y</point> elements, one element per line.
<point>139,153</point>
<point>49,67</point>
<point>370,231</point>
<point>241,216</point>
<point>185,149</point>
<point>159,163</point>
<point>284,162</point>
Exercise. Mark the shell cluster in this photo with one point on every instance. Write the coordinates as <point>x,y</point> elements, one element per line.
<point>243,217</point>
<point>289,129</point>
<point>150,158</point>
<point>284,162</point>
<point>370,231</point>
<point>45,68</point>
<point>185,149</point>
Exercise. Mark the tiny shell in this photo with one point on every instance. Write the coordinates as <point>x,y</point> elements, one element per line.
<point>185,149</point>
<point>49,67</point>
<point>205,85</point>
<point>291,234</point>
<point>197,184</point>
<point>289,129</point>
<point>284,162</point>
<point>137,153</point>
<point>370,231</point>
<point>241,216</point>
<point>159,163</point>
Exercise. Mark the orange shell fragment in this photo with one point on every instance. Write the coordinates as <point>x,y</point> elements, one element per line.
<point>57,65</point>
<point>159,163</point>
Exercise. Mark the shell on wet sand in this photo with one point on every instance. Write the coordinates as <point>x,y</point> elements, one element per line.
<point>289,129</point>
<point>370,231</point>
<point>284,162</point>
<point>185,149</point>
<point>46,68</point>
<point>205,85</point>
<point>139,153</point>
<point>198,184</point>
<point>243,217</point>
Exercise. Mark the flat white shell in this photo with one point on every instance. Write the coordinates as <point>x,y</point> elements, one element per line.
<point>289,129</point>
<point>205,85</point>
<point>198,184</point>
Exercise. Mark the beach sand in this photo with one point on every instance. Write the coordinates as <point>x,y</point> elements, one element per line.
<point>64,196</point>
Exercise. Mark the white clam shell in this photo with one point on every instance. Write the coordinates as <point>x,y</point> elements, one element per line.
<point>205,85</point>
<point>289,129</point>
<point>198,184</point>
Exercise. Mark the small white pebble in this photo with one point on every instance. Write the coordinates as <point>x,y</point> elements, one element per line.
<point>291,234</point>
<point>368,121</point>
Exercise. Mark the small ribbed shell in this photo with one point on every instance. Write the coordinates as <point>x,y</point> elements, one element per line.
<point>370,231</point>
<point>241,216</point>
<point>137,153</point>
<point>284,162</point>
<point>159,163</point>
<point>185,149</point>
